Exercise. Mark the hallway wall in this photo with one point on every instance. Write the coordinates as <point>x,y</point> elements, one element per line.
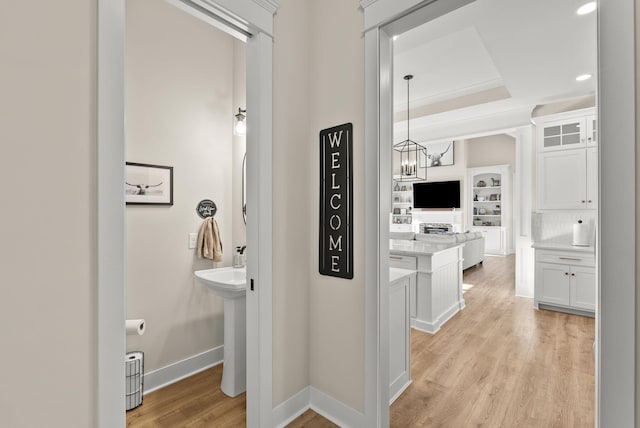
<point>48,367</point>
<point>291,212</point>
<point>336,313</point>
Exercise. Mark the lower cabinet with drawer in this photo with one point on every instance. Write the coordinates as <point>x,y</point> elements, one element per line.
<point>565,280</point>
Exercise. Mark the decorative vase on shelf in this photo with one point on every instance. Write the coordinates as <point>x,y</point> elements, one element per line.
<point>396,188</point>
<point>481,183</point>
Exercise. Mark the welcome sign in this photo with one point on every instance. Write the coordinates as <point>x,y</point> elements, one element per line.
<point>336,201</point>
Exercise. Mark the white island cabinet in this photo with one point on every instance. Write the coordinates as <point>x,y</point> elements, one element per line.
<point>438,287</point>
<point>399,331</point>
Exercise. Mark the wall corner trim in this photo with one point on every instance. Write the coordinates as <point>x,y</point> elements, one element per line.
<point>167,375</point>
<point>270,6</point>
<point>366,3</point>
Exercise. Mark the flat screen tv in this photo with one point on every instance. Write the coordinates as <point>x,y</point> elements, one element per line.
<point>436,194</point>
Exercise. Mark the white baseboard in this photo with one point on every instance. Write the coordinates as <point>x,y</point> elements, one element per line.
<point>172,373</point>
<point>400,391</point>
<point>424,326</point>
<point>321,403</point>
<point>434,327</point>
<point>285,412</point>
<point>334,410</point>
<point>449,313</point>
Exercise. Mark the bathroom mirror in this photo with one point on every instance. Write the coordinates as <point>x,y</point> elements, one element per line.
<point>244,188</point>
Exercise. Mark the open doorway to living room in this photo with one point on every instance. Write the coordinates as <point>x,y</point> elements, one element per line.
<point>493,214</point>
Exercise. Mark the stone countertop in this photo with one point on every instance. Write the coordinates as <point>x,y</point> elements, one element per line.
<point>419,248</point>
<point>562,246</point>
<point>396,274</point>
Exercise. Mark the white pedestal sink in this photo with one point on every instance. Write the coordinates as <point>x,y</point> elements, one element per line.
<point>231,284</point>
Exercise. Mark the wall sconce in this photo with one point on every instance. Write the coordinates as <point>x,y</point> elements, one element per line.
<point>241,127</point>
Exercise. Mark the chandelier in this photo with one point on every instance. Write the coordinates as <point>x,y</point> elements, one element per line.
<point>410,152</point>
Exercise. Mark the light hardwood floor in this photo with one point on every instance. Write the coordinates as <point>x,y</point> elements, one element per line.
<point>498,363</point>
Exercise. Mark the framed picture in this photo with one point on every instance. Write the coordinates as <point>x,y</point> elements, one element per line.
<point>438,154</point>
<point>148,184</point>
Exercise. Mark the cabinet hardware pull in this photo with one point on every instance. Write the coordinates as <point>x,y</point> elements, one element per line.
<point>589,201</point>
<point>583,201</point>
<point>569,258</point>
<point>573,274</point>
<point>395,258</point>
<point>566,273</point>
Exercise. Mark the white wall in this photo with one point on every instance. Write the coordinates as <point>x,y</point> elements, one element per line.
<point>291,177</point>
<point>48,364</point>
<point>337,96</point>
<point>179,112</point>
<point>497,149</point>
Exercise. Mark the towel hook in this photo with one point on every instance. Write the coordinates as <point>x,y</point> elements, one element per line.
<point>206,208</point>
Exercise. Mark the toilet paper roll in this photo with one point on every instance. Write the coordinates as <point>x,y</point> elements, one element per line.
<point>581,234</point>
<point>135,327</point>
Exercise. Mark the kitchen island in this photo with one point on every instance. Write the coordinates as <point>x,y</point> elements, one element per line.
<point>436,294</point>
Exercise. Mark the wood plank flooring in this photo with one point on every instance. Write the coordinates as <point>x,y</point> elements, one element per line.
<point>498,363</point>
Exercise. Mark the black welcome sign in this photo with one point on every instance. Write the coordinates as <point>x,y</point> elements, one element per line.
<point>336,201</point>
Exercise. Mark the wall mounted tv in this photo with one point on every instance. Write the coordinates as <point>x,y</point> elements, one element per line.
<point>436,194</point>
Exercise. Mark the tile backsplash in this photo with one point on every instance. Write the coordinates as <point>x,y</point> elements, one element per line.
<point>558,227</point>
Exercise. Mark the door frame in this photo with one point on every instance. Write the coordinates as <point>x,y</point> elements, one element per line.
<point>616,249</point>
<point>236,17</point>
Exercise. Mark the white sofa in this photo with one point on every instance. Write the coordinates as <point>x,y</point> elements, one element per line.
<point>472,253</point>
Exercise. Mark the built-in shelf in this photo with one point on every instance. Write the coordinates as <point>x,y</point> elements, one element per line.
<point>491,216</point>
<point>402,200</point>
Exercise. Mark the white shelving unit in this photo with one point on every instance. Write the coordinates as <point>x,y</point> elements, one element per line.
<point>402,206</point>
<point>489,209</point>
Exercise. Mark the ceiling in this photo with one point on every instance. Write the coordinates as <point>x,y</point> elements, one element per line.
<point>492,58</point>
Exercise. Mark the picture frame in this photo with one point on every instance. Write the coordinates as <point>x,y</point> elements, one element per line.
<point>438,154</point>
<point>147,184</point>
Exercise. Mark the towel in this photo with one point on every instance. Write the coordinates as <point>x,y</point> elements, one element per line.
<point>209,244</point>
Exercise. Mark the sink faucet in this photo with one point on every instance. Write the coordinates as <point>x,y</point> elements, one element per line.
<point>238,257</point>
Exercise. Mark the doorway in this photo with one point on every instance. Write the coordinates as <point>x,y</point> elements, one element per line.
<point>242,19</point>
<point>381,25</point>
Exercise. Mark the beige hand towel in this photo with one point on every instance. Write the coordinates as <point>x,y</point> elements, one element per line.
<point>209,244</point>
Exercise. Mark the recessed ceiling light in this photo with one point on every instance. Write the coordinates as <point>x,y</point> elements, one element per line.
<point>395,38</point>
<point>587,8</point>
<point>583,77</point>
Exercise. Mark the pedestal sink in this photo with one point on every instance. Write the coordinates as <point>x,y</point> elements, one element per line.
<point>231,284</point>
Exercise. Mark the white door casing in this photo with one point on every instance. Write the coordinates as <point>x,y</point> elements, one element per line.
<point>616,314</point>
<point>237,17</point>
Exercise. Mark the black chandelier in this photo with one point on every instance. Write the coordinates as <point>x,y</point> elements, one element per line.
<point>410,152</point>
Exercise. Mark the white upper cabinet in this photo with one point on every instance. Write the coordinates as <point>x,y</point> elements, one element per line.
<point>592,130</point>
<point>562,180</point>
<point>571,130</point>
<point>563,134</point>
<point>567,161</point>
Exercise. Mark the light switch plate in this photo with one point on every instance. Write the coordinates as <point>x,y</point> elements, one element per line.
<point>193,240</point>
